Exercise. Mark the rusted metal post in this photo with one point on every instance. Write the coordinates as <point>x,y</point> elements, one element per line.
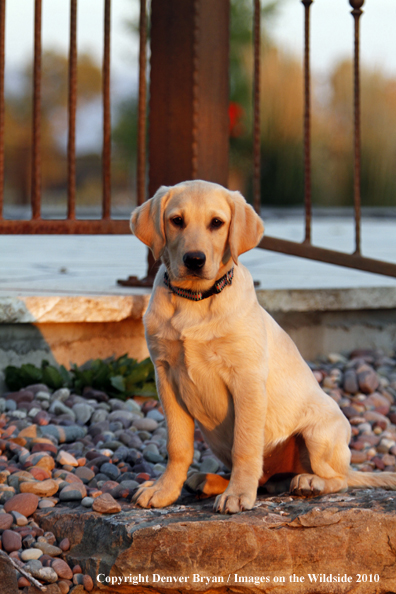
<point>36,147</point>
<point>189,125</point>
<point>256,108</point>
<point>2,104</point>
<point>356,13</point>
<point>106,159</point>
<point>307,122</point>
<point>72,105</point>
<point>142,106</point>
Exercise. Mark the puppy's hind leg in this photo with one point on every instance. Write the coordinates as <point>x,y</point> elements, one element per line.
<point>329,456</point>
<point>206,484</point>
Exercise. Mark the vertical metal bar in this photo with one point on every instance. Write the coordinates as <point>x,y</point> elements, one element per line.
<point>195,88</point>
<point>256,108</point>
<point>356,13</point>
<point>307,122</point>
<point>71,146</point>
<point>142,106</point>
<point>36,148</point>
<point>106,115</point>
<point>2,105</point>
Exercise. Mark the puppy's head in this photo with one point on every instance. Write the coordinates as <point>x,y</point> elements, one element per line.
<point>197,227</point>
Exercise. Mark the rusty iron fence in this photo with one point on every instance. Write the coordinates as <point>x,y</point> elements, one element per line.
<point>106,225</point>
<point>71,224</point>
<point>306,249</point>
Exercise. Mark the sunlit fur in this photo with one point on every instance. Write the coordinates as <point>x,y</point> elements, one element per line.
<point>225,363</point>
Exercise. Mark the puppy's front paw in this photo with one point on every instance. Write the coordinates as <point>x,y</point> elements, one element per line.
<point>152,494</point>
<point>232,503</point>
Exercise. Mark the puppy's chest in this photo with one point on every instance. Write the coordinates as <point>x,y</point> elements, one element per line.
<point>196,372</point>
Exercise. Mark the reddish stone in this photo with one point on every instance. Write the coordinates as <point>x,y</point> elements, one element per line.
<point>24,503</point>
<point>6,521</point>
<point>392,418</point>
<point>64,587</point>
<point>77,569</point>
<point>106,504</point>
<point>379,463</point>
<point>21,396</point>
<point>42,488</point>
<point>40,474</point>
<point>88,583</point>
<point>9,431</point>
<point>62,569</point>
<point>149,405</point>
<point>369,438</point>
<point>11,541</point>
<point>358,457</point>
<point>64,544</point>
<point>42,418</point>
<point>368,379</point>
<point>23,582</point>
<point>142,477</point>
<point>357,445</point>
<point>44,447</point>
<point>109,486</point>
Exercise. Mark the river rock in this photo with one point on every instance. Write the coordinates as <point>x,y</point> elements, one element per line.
<point>6,521</point>
<point>367,379</point>
<point>62,569</point>
<point>84,473</point>
<point>145,424</point>
<point>29,554</point>
<point>11,541</point>
<point>41,488</point>
<point>24,503</point>
<point>106,504</point>
<point>46,574</point>
<point>66,458</point>
<point>73,492</point>
<point>83,412</point>
<point>110,470</point>
<point>48,549</point>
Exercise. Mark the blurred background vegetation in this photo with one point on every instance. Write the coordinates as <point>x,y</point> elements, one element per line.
<point>281,114</point>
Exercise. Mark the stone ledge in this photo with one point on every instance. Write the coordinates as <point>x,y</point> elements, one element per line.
<point>60,309</point>
<point>301,300</point>
<point>115,308</point>
<point>349,533</point>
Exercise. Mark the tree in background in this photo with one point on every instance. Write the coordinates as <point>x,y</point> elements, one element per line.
<point>333,140</point>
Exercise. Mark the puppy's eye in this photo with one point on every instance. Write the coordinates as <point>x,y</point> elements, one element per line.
<point>177,221</point>
<point>216,223</point>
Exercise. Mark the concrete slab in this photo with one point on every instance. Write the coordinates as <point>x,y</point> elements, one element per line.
<point>91,265</point>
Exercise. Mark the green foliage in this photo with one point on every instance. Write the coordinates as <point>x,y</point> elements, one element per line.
<point>121,378</point>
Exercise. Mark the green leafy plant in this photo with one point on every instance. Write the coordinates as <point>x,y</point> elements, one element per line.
<point>121,378</point>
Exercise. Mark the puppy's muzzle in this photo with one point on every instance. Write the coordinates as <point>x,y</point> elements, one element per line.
<point>194,261</point>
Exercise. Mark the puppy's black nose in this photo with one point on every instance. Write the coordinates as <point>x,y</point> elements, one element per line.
<point>194,260</point>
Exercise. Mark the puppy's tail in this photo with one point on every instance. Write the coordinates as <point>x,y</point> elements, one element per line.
<point>370,480</point>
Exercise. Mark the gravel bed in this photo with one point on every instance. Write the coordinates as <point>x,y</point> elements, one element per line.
<point>59,448</point>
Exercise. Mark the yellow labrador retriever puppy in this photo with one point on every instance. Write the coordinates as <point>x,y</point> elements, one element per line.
<point>221,360</point>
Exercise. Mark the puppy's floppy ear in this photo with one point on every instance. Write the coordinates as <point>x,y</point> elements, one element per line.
<point>147,221</point>
<point>246,228</point>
